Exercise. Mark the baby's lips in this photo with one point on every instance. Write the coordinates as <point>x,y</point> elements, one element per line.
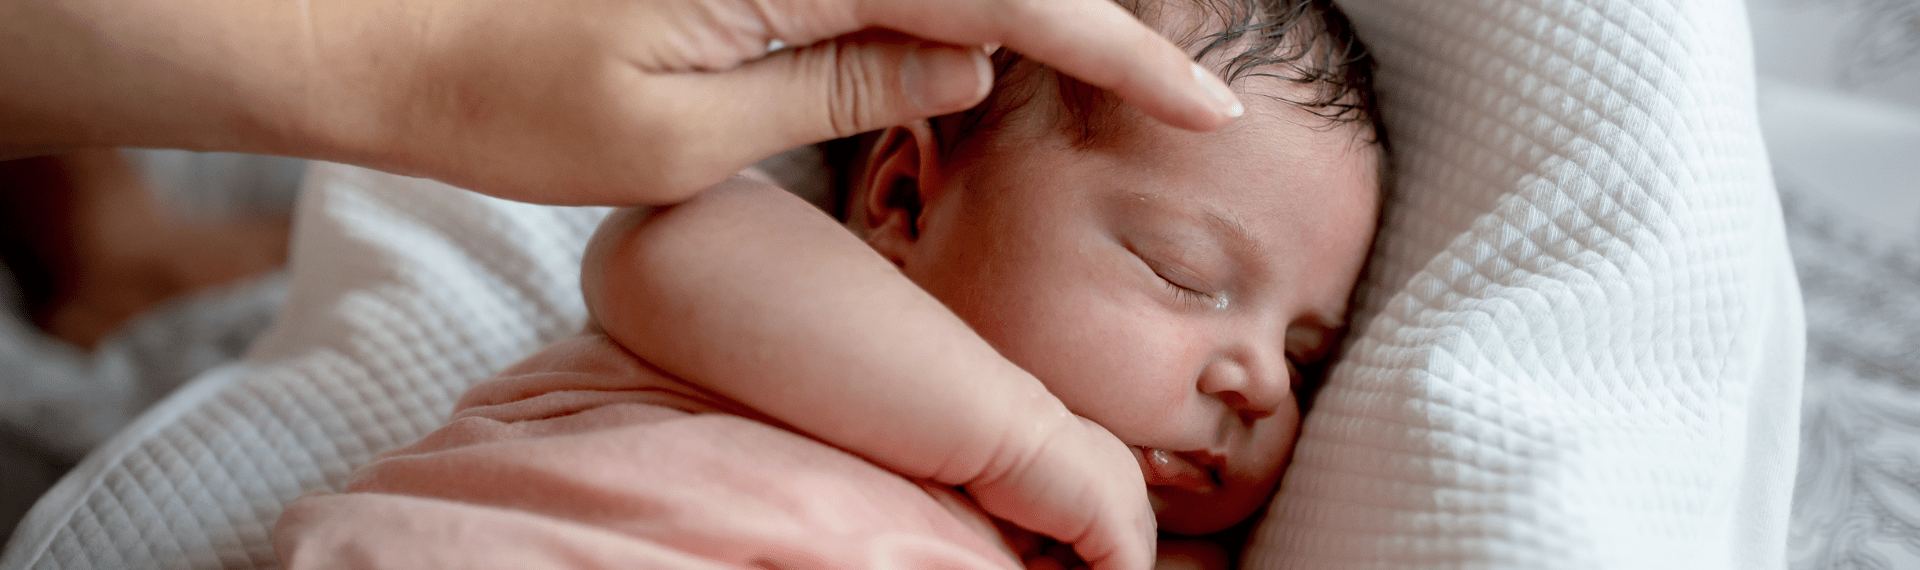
<point>1184,471</point>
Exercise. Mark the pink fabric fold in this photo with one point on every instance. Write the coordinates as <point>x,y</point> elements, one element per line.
<point>581,456</point>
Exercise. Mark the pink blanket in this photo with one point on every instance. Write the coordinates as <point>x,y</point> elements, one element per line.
<point>583,457</point>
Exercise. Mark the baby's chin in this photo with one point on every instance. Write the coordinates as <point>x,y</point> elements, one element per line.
<point>1194,513</point>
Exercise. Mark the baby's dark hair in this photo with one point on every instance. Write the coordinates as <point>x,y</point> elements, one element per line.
<point>1306,42</point>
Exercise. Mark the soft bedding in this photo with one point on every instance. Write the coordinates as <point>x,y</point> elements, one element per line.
<point>402,293</point>
<point>1579,344</point>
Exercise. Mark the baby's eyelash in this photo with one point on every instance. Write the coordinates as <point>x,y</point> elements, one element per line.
<point>1188,295</point>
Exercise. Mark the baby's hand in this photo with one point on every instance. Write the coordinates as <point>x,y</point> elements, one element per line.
<point>1081,486</point>
<point>1191,554</point>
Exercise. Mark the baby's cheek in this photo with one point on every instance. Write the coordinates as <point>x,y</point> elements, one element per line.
<point>1111,351</point>
<point>1133,376</point>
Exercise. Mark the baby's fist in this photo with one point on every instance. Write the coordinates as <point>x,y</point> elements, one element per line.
<point>1081,486</point>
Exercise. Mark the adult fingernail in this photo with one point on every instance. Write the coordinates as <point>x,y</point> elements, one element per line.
<point>945,79</point>
<point>1223,98</point>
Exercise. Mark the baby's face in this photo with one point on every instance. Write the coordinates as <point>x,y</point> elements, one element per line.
<point>1165,284</point>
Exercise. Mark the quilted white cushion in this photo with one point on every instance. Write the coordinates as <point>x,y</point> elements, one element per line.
<point>1579,346</point>
<point>1580,343</point>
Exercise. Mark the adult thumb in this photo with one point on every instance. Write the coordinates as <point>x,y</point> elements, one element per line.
<point>854,84</point>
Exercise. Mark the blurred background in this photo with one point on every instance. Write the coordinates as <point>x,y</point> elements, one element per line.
<point>127,272</point>
<point>1840,107</point>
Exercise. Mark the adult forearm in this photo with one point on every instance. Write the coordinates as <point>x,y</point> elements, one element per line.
<point>615,102</point>
<point>199,74</point>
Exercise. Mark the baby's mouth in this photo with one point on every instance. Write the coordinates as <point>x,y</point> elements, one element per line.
<point>1195,471</point>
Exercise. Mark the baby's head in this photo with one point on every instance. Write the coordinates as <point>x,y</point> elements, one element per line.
<point>1175,287</point>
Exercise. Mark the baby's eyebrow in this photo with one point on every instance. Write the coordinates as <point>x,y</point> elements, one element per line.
<point>1229,228</point>
<point>1224,226</point>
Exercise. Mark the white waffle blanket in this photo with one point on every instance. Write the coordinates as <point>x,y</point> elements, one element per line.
<point>1579,346</point>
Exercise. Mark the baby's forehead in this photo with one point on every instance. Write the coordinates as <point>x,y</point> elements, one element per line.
<point>1275,126</point>
<point>1271,99</point>
<point>1277,160</point>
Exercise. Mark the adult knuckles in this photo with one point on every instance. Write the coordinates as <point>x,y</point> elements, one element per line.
<point>858,90</point>
<point>804,21</point>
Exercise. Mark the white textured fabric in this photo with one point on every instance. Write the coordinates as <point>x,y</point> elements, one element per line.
<point>403,292</point>
<point>1580,344</point>
<point>1579,347</point>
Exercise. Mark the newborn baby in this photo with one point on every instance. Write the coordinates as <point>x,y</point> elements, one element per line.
<point>1072,308</point>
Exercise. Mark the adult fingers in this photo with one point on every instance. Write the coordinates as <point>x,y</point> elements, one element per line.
<point>845,86</point>
<point>1096,41</point>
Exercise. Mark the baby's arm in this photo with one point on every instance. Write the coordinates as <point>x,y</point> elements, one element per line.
<point>750,292</point>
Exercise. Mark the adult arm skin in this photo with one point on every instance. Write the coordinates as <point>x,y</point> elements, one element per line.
<point>749,292</point>
<point>613,102</point>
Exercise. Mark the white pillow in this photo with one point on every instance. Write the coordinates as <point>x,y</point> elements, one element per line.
<point>1580,342</point>
<point>1579,349</point>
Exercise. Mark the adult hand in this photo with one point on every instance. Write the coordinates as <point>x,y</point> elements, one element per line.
<point>564,101</point>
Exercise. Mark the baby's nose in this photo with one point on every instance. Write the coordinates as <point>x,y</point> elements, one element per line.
<point>1251,384</point>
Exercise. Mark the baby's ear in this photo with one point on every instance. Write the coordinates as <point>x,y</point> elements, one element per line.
<point>894,189</point>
